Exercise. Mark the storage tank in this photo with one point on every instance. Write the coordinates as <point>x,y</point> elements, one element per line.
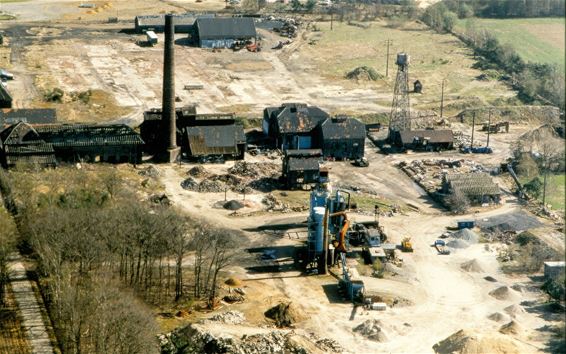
<point>402,59</point>
<point>318,220</point>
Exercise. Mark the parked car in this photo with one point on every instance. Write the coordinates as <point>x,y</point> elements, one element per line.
<point>6,75</point>
<point>363,162</point>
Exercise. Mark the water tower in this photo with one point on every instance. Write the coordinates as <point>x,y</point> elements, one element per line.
<point>400,118</point>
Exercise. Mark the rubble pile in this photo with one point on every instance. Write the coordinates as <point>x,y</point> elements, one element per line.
<point>284,314</point>
<point>372,330</point>
<point>289,28</point>
<point>150,171</point>
<point>197,171</point>
<point>195,338</point>
<point>230,317</point>
<point>428,173</point>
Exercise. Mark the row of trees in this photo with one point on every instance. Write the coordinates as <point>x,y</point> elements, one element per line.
<point>535,82</point>
<point>101,251</point>
<point>506,8</point>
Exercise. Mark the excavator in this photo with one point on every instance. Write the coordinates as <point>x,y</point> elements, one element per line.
<point>406,245</point>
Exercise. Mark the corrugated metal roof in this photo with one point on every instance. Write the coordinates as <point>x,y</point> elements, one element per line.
<point>343,128</point>
<point>433,136</point>
<point>18,133</point>
<point>28,115</point>
<point>226,27</point>
<point>67,135</point>
<point>303,164</point>
<point>472,184</point>
<point>215,139</point>
<point>159,20</point>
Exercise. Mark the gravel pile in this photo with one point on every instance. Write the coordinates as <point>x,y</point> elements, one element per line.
<point>230,317</point>
<point>196,339</point>
<point>466,235</point>
<point>458,244</point>
<point>472,266</point>
<point>505,293</point>
<point>372,330</point>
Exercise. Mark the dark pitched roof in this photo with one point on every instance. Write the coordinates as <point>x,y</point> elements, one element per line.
<point>303,164</point>
<point>343,128</point>
<point>159,20</point>
<point>215,139</point>
<point>18,133</point>
<point>226,27</point>
<point>299,118</point>
<point>28,115</point>
<point>304,152</point>
<point>67,135</point>
<point>4,94</point>
<point>433,136</point>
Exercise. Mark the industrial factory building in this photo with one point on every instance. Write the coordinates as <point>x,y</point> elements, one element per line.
<point>223,32</point>
<point>298,126</point>
<point>341,138</point>
<point>184,23</point>
<point>199,135</point>
<point>28,115</point>
<point>44,145</point>
<point>428,139</point>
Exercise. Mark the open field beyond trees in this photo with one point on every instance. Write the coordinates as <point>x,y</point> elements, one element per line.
<point>536,40</point>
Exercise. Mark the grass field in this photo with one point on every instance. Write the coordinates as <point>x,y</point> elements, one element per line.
<point>555,190</point>
<point>434,57</point>
<point>537,40</point>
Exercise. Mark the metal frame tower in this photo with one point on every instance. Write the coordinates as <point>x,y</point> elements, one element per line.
<point>400,118</point>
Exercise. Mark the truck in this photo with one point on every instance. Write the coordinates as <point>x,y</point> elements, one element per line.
<point>151,37</point>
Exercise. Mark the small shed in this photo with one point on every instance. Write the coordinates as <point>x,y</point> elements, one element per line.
<point>223,32</point>
<point>301,167</point>
<point>427,139</point>
<point>417,87</point>
<point>554,270</point>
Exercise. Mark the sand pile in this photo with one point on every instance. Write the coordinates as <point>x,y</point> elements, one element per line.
<point>498,317</point>
<point>464,342</point>
<point>505,293</point>
<point>511,328</point>
<point>285,315</point>
<point>514,310</point>
<point>472,266</point>
<point>372,330</point>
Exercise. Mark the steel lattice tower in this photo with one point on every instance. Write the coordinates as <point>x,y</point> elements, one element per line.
<point>400,118</point>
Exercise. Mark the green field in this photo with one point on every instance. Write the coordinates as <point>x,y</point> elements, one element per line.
<point>555,190</point>
<point>537,40</point>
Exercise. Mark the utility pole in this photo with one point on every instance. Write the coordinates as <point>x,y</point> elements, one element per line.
<point>488,126</point>
<point>442,99</point>
<point>331,16</point>
<point>387,59</point>
<point>473,127</point>
<point>545,165</point>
